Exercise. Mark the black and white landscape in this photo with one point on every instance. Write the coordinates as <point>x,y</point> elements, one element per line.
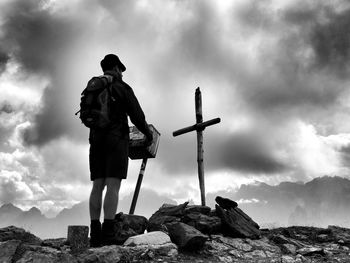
<point>321,202</point>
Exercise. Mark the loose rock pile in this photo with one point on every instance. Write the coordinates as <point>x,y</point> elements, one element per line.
<point>188,234</point>
<point>188,226</point>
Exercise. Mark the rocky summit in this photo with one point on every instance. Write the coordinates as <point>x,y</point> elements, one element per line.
<point>186,233</point>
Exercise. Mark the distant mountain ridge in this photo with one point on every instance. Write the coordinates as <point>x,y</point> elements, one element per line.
<point>320,202</point>
<point>34,221</point>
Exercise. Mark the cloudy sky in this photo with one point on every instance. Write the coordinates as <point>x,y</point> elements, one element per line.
<point>275,72</point>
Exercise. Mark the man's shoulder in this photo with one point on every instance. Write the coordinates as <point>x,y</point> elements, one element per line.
<point>121,85</point>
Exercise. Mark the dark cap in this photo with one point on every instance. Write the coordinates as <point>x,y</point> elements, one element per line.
<point>110,61</point>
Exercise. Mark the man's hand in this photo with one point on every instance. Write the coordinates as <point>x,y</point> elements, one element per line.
<point>149,139</point>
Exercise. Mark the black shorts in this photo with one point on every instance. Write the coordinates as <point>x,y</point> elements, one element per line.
<point>108,156</point>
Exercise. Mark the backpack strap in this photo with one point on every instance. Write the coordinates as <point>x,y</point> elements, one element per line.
<point>107,80</point>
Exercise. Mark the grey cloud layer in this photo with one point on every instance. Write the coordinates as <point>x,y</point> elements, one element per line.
<point>299,68</point>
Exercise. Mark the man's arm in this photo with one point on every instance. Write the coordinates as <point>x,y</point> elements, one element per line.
<point>137,117</point>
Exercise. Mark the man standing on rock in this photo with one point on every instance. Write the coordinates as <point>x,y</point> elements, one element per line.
<point>109,150</point>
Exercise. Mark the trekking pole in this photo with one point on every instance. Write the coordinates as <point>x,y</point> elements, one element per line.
<point>138,186</point>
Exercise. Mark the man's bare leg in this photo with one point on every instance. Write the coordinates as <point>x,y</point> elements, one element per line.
<point>95,201</point>
<point>111,199</point>
<point>95,205</point>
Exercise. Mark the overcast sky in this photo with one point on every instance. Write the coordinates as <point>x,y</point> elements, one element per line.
<point>275,72</point>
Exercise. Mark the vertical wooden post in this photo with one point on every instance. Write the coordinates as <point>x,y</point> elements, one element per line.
<point>199,119</point>
<point>138,186</point>
<point>78,237</point>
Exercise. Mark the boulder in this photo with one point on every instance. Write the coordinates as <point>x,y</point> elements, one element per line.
<point>186,237</point>
<point>171,210</point>
<point>165,215</point>
<point>158,223</point>
<point>57,243</point>
<point>123,233</point>
<point>114,254</point>
<point>40,254</point>
<point>237,224</point>
<point>206,224</point>
<point>279,240</point>
<point>225,203</point>
<point>105,254</point>
<point>8,250</point>
<point>12,232</point>
<point>202,209</point>
<point>128,226</point>
<point>135,222</point>
<point>148,239</point>
<point>288,249</point>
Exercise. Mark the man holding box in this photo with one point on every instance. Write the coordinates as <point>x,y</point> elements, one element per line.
<point>109,152</point>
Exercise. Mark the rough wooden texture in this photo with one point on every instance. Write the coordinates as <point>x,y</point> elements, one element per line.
<point>186,237</point>
<point>78,237</point>
<point>200,151</point>
<point>138,186</point>
<point>199,127</point>
<point>236,225</point>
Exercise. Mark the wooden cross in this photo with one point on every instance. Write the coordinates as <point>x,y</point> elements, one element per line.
<point>199,127</point>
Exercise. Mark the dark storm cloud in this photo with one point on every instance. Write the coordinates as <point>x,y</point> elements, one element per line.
<point>244,151</point>
<point>241,151</point>
<point>6,108</point>
<point>344,152</point>
<point>40,39</point>
<point>282,83</point>
<point>331,42</point>
<point>48,123</point>
<point>35,37</point>
<point>37,40</point>
<point>328,34</point>
<point>290,79</point>
<point>4,58</point>
<point>290,73</point>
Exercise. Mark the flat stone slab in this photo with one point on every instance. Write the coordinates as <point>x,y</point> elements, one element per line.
<point>152,238</point>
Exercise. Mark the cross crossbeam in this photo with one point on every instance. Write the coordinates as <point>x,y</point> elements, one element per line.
<point>199,127</point>
<point>196,127</point>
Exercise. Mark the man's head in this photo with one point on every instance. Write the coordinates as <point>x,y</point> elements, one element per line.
<point>112,62</point>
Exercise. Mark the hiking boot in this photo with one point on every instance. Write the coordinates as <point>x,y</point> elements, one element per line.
<point>95,233</point>
<point>109,233</point>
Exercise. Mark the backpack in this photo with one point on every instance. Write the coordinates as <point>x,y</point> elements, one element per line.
<point>95,103</point>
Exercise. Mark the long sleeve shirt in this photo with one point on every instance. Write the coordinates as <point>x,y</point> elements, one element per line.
<point>125,104</point>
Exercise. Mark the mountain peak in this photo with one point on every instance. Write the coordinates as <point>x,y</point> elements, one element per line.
<point>34,211</point>
<point>9,208</point>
